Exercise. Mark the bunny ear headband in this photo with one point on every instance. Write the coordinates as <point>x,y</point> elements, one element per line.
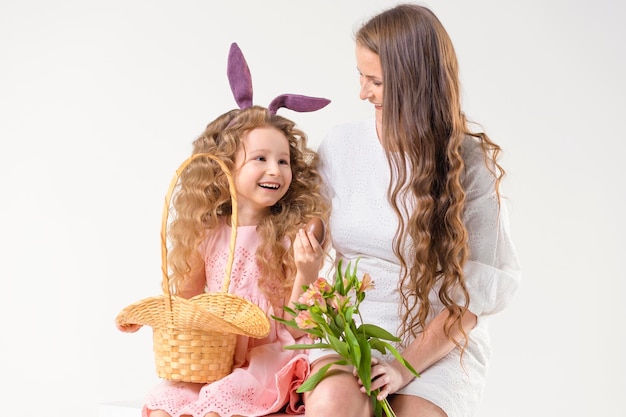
<point>241,85</point>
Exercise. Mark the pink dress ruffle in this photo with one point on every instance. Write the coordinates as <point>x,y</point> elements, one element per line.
<point>265,376</point>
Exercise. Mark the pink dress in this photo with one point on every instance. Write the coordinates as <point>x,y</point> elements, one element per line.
<point>265,376</point>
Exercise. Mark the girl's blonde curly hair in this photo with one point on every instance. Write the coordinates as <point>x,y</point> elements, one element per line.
<point>202,200</point>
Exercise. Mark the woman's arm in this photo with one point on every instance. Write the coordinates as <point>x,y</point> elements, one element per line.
<point>429,347</point>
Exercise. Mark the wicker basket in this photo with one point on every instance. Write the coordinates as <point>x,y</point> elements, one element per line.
<point>194,339</point>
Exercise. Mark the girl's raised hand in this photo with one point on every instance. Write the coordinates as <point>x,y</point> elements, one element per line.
<point>308,255</point>
<point>316,226</point>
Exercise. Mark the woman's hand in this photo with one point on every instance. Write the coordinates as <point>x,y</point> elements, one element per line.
<point>389,377</point>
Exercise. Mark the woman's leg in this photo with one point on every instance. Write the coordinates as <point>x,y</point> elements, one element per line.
<point>412,406</point>
<point>337,394</point>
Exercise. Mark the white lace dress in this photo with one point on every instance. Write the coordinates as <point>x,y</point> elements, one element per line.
<point>363,225</point>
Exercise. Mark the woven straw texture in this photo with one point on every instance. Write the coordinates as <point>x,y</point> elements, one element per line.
<point>194,340</point>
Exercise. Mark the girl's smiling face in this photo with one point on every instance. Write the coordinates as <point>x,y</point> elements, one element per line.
<point>262,174</point>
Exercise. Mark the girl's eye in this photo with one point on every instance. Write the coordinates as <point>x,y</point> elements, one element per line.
<point>260,158</point>
<point>283,162</point>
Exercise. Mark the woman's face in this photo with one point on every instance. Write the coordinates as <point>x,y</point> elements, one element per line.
<point>371,79</point>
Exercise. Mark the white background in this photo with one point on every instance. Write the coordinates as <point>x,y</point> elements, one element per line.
<point>100,101</point>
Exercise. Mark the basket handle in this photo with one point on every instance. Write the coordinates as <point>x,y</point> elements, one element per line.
<point>234,216</point>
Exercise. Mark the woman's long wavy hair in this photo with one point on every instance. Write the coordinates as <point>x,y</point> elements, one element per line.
<point>423,130</point>
<point>202,200</point>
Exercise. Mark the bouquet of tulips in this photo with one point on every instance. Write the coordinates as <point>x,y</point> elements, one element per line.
<point>326,311</point>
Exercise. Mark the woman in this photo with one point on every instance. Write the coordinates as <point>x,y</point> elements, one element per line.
<point>415,196</point>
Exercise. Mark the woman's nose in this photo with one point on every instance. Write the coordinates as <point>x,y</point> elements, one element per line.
<point>365,91</point>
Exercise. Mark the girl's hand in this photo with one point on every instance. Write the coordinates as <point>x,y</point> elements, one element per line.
<point>128,328</point>
<point>389,377</point>
<point>308,255</point>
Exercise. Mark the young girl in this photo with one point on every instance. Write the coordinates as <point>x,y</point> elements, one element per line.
<point>278,191</point>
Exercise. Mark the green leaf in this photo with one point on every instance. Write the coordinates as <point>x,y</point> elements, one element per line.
<point>312,381</point>
<point>317,317</point>
<point>317,332</point>
<point>299,307</point>
<point>378,332</point>
<point>352,278</point>
<point>387,408</point>
<point>290,311</point>
<point>306,346</point>
<point>339,279</point>
<point>355,350</point>
<point>365,367</point>
<point>290,323</point>
<point>327,330</point>
<point>336,330</point>
<point>378,409</point>
<point>339,322</point>
<point>338,346</point>
<point>378,345</point>
<point>349,313</point>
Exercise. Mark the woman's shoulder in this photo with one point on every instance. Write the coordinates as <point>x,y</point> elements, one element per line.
<point>471,151</point>
<point>479,167</point>
<point>353,130</point>
<point>353,125</point>
<point>342,139</point>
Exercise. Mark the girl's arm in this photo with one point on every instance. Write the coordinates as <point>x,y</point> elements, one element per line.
<point>189,288</point>
<point>309,257</point>
<point>195,284</point>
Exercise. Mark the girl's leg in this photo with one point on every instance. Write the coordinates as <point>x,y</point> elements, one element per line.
<point>412,406</point>
<point>337,394</point>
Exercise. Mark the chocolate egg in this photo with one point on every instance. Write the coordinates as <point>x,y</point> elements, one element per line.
<point>316,226</point>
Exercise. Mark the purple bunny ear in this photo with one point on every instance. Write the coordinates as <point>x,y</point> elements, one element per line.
<point>239,77</point>
<point>241,85</point>
<point>297,103</point>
